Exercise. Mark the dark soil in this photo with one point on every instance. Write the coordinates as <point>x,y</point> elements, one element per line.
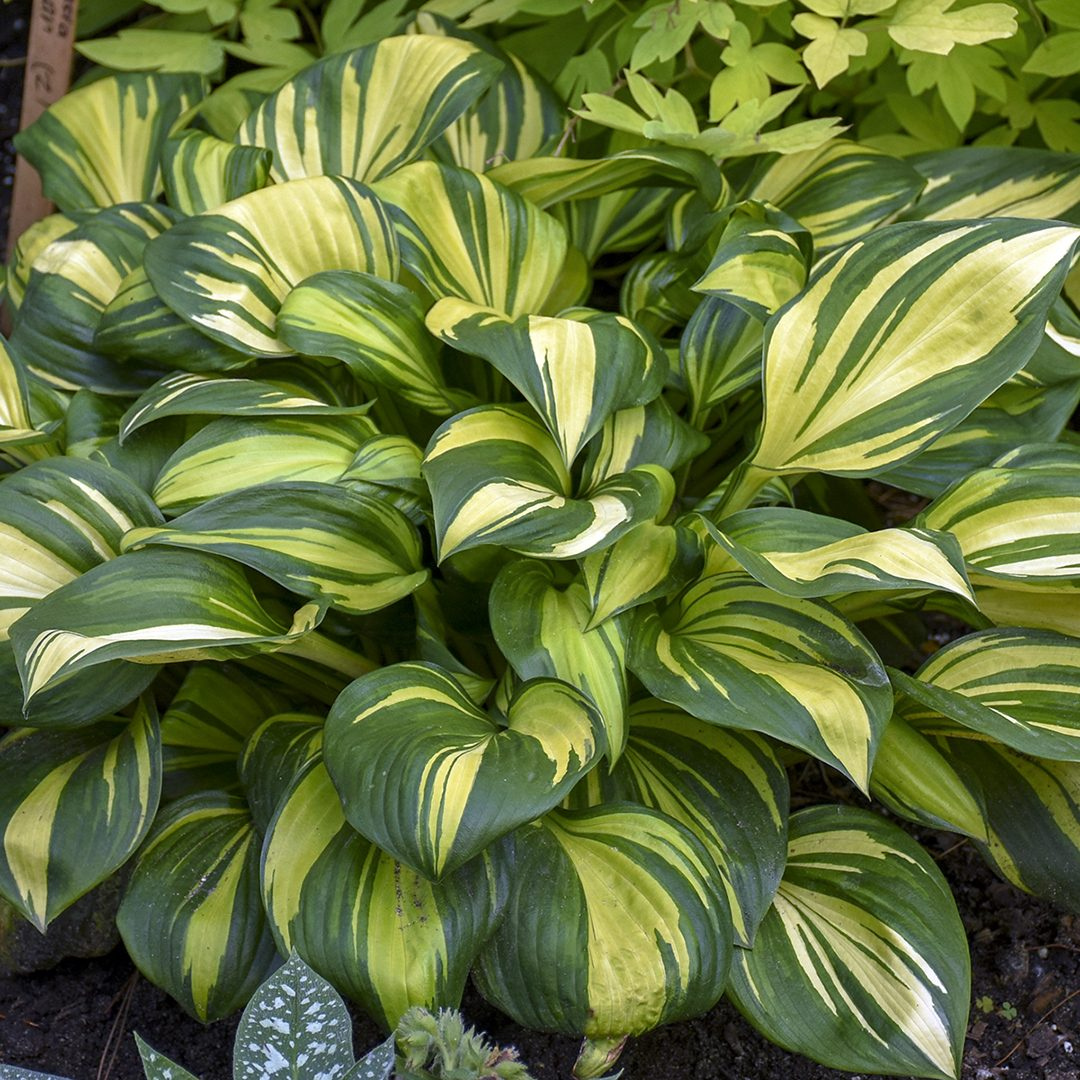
<point>77,1019</point>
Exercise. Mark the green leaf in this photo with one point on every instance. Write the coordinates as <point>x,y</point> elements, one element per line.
<point>831,47</point>
<point>408,736</point>
<point>1057,56</point>
<point>332,117</point>
<point>1060,11</point>
<point>137,49</point>
<point>862,962</point>
<point>245,251</point>
<point>497,477</point>
<point>466,236</point>
<point>1058,121</point>
<point>542,630</point>
<point>932,26</point>
<point>376,328</point>
<point>575,372</point>
<point>75,806</point>
<point>388,937</point>
<point>99,144</point>
<point>200,171</point>
<point>326,544</point>
<point>566,958</point>
<point>740,655</point>
<point>191,917</point>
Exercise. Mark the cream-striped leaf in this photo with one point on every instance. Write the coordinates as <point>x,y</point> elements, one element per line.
<point>33,241</point>
<point>430,778</point>
<point>17,428</point>
<point>628,219</point>
<point>230,454</point>
<point>227,271</point>
<point>200,171</point>
<point>150,607</point>
<point>324,543</point>
<point>571,955</point>
<point>74,805</point>
<point>365,113</point>
<point>387,467</point>
<point>273,755</point>
<point>840,191</point>
<point>656,291</point>
<point>191,918</point>
<point>383,934</point>
<point>1039,610</point>
<point>1018,687</point>
<point>799,553</point>
<point>575,372</point>
<point>377,328</point>
<point>862,962</point>
<point>1017,527</point>
<point>737,654</point>
<point>497,477</point>
<point>99,144</point>
<point>466,236</point>
<point>541,629</point>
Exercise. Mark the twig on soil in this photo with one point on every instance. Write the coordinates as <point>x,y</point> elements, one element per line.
<point>111,1048</point>
<point>1065,1000</point>
<point>12,61</point>
<point>949,850</point>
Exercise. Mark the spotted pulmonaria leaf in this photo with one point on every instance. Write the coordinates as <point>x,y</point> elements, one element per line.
<point>200,171</point>
<point>1018,687</point>
<point>799,553</point>
<point>541,630</point>
<point>862,962</point>
<point>386,936</point>
<point>894,342</point>
<point>466,236</point>
<point>157,1066</point>
<point>365,113</point>
<point>74,806</point>
<point>430,778</point>
<point>149,607</point>
<point>227,271</point>
<point>575,372</point>
<point>99,144</point>
<point>377,329</point>
<point>191,918</point>
<point>739,655</point>
<point>571,955</point>
<point>497,477</point>
<point>327,544</point>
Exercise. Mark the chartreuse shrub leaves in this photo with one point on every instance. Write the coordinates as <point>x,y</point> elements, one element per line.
<point>473,493</point>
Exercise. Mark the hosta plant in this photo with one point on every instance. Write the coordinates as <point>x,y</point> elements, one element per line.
<point>426,552</point>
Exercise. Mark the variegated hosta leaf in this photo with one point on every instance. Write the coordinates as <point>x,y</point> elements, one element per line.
<point>230,454</point>
<point>284,392</point>
<point>99,144</point>
<point>895,341</point>
<point>839,191</point>
<point>739,655</point>
<point>719,354</point>
<point>726,787</point>
<point>799,553</point>
<point>1040,611</point>
<point>497,477</point>
<point>71,283</point>
<point>324,543</point>
<point>33,241</point>
<point>652,434</point>
<point>541,630</point>
<point>656,291</point>
<point>227,271</point>
<point>573,955</point>
<point>74,805</point>
<point>465,236</point>
<point>575,372</point>
<point>1018,687</point>
<point>386,936</point>
<point>151,607</point>
<point>649,562</point>
<point>204,728</point>
<point>374,326</point>
<point>17,428</point>
<point>430,778</point>
<point>191,918</point>
<point>625,220</point>
<point>1033,816</point>
<point>1017,527</point>
<point>137,326</point>
<point>998,181</point>
<point>200,171</point>
<point>387,467</point>
<point>761,259</point>
<point>915,781</point>
<point>862,962</point>
<point>273,756</point>
<point>365,113</point>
